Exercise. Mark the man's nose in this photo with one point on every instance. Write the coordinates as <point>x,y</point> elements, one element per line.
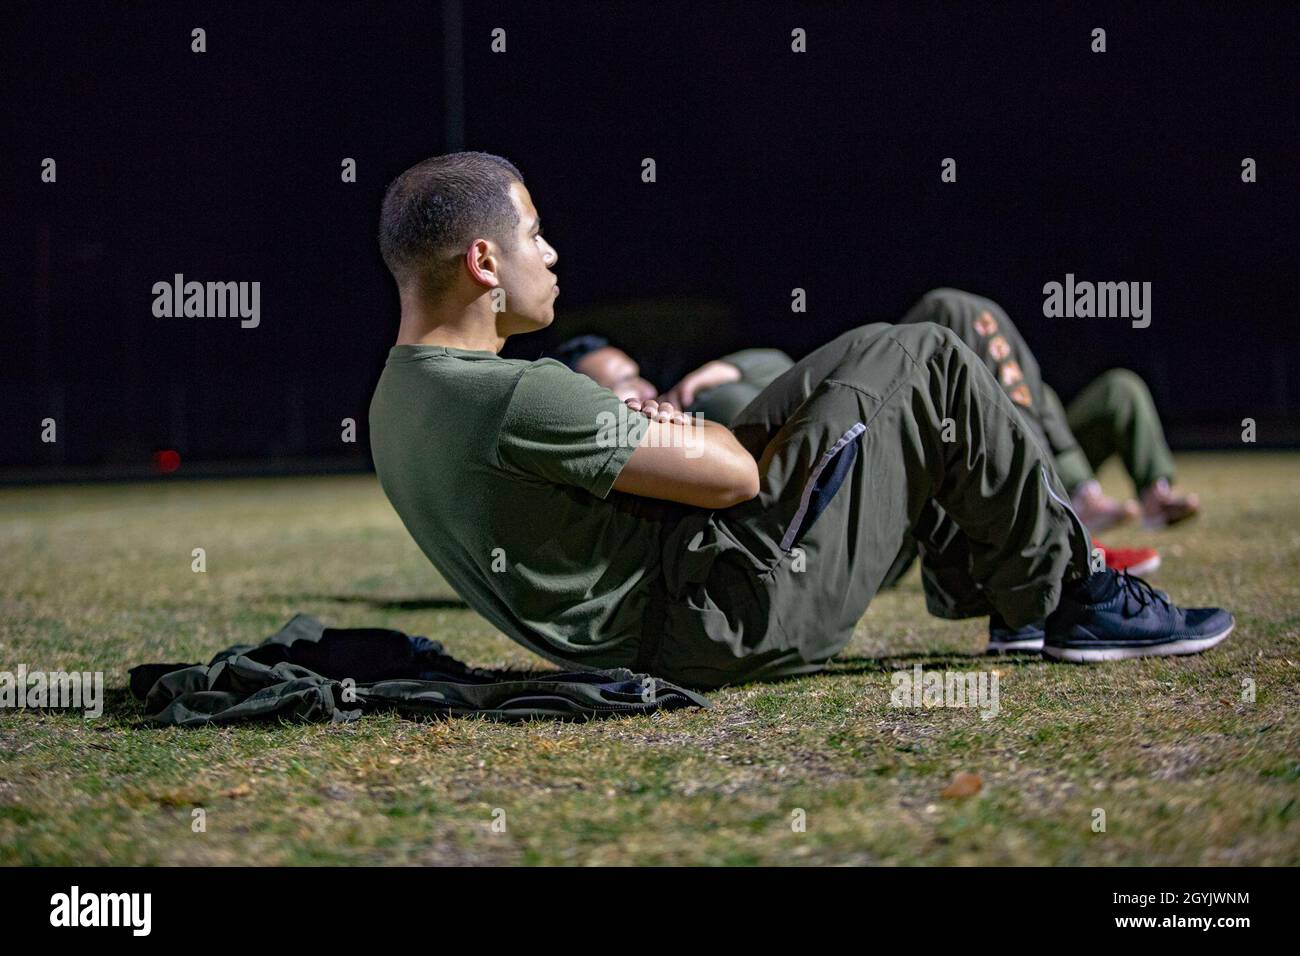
<point>549,255</point>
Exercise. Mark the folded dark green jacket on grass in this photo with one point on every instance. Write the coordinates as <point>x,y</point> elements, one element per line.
<point>310,672</point>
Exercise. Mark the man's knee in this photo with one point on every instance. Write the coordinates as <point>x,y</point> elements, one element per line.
<point>860,337</point>
<point>880,350</point>
<point>945,306</point>
<point>923,340</point>
<point>946,297</point>
<point>1125,387</point>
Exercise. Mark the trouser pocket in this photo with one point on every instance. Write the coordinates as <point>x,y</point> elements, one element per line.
<point>829,474</point>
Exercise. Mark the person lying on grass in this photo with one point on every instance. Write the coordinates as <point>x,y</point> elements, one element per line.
<point>719,389</point>
<point>602,533</point>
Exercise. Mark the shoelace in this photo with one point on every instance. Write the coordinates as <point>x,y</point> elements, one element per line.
<point>1140,590</point>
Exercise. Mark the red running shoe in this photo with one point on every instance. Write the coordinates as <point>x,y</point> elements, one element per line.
<point>1139,561</point>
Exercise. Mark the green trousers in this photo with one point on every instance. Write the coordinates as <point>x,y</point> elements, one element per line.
<point>885,433</point>
<point>1113,415</point>
<point>988,331</point>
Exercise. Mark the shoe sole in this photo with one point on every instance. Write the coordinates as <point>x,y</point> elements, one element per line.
<point>1014,647</point>
<point>1085,655</point>
<point>1143,568</point>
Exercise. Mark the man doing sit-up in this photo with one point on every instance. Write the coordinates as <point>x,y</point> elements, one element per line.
<point>601,533</point>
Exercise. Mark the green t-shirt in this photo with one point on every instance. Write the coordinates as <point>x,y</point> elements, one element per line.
<point>501,470</point>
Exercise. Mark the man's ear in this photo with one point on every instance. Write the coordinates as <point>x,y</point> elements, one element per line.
<point>482,263</point>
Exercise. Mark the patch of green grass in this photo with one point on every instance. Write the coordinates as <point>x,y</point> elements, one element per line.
<point>1185,769</point>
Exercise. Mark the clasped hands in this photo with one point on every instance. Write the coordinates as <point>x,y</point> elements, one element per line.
<point>668,406</point>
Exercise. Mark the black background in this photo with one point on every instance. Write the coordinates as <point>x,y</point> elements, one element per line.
<point>775,170</point>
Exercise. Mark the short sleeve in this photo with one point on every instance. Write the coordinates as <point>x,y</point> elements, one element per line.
<point>562,427</point>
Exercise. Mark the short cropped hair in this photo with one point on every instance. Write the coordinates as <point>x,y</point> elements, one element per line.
<point>434,210</point>
<point>576,349</point>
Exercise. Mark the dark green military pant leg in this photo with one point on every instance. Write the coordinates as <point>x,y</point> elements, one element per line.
<point>883,431</point>
<point>1115,415</point>
<point>988,331</point>
<point>1072,464</point>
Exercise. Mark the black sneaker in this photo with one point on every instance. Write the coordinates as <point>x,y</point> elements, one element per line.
<point>1112,616</point>
<point>1004,639</point>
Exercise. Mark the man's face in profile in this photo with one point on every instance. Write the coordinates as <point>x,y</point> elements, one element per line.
<point>525,268</point>
<point>615,369</point>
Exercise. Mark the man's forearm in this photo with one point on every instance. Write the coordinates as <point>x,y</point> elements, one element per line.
<point>691,460</point>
